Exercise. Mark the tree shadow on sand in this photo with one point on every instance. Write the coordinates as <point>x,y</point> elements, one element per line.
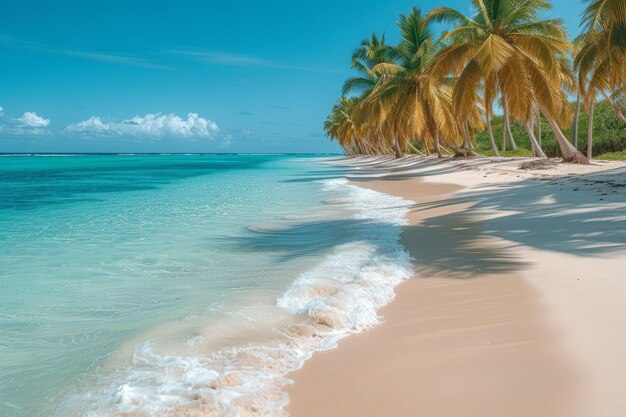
<point>583,216</point>
<point>455,246</point>
<point>448,247</point>
<point>553,213</point>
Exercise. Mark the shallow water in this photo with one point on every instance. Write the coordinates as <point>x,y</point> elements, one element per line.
<point>160,285</point>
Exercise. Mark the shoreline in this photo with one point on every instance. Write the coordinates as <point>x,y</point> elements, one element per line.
<point>491,323</point>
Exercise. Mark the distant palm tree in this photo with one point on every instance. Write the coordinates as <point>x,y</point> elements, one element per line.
<point>601,59</point>
<point>508,49</point>
<point>340,126</point>
<point>373,51</point>
<point>419,106</point>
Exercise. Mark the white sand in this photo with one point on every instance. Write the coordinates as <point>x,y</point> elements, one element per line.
<point>517,308</point>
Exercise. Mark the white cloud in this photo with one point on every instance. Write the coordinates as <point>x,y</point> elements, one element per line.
<point>29,124</point>
<point>93,125</point>
<point>32,119</point>
<point>151,125</point>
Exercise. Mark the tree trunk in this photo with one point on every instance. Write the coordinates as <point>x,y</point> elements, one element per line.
<point>466,141</point>
<point>396,148</point>
<point>466,150</point>
<point>503,138</point>
<point>537,151</point>
<point>575,125</point>
<point>568,152</point>
<point>471,142</point>
<point>437,145</point>
<point>492,141</point>
<point>619,114</point>
<point>539,129</point>
<point>507,124</point>
<point>590,130</point>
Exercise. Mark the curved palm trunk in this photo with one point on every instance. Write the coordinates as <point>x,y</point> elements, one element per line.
<point>539,128</point>
<point>507,124</point>
<point>575,125</point>
<point>538,152</point>
<point>590,130</point>
<point>568,152</point>
<point>620,115</point>
<point>492,141</point>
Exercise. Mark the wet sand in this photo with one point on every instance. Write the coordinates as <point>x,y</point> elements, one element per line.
<point>515,308</point>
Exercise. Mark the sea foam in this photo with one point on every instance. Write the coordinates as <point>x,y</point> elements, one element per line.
<point>338,297</point>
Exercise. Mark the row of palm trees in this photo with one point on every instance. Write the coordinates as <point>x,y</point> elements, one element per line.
<point>426,94</point>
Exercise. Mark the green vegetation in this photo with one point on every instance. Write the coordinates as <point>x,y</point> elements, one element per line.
<point>613,156</point>
<point>609,141</point>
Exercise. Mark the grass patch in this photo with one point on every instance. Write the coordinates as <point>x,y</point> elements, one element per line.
<point>613,156</point>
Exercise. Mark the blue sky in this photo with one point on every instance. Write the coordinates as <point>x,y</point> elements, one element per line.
<point>185,76</point>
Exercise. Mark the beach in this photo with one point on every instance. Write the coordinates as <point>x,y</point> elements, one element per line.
<point>274,285</point>
<point>516,303</point>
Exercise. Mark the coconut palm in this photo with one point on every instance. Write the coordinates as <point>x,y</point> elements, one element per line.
<point>373,51</point>
<point>514,53</point>
<point>602,57</point>
<point>340,126</point>
<point>419,106</point>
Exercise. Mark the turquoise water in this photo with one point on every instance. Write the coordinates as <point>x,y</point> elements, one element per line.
<point>181,284</point>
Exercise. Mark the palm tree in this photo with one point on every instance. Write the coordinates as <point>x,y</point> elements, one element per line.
<point>340,126</point>
<point>516,54</point>
<point>601,60</point>
<point>373,51</point>
<point>419,106</point>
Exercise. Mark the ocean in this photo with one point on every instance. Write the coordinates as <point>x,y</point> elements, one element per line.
<point>165,285</point>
